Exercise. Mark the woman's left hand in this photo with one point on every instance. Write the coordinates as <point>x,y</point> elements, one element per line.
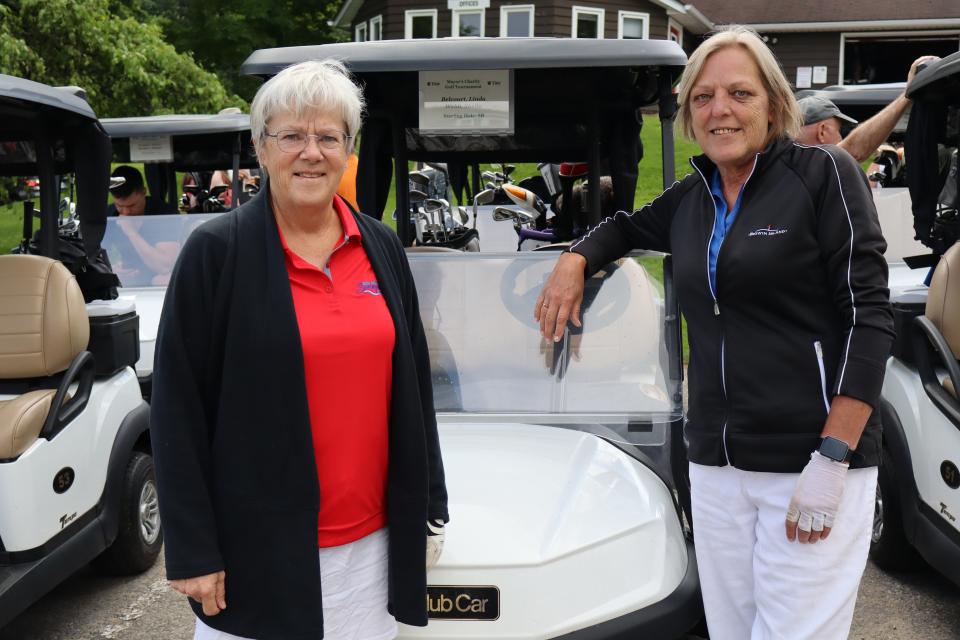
<point>434,542</point>
<point>816,499</point>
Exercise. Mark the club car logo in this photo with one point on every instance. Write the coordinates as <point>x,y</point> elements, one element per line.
<point>369,288</point>
<point>463,603</point>
<point>769,230</point>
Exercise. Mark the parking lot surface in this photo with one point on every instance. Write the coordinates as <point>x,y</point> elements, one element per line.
<point>91,607</point>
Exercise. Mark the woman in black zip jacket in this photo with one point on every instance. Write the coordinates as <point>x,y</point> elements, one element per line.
<point>778,263</point>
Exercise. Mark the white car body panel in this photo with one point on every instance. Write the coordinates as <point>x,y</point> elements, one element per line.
<point>33,512</point>
<point>557,520</point>
<point>932,438</point>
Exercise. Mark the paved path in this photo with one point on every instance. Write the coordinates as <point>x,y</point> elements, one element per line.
<point>912,606</point>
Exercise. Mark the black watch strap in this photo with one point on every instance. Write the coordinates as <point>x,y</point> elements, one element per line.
<point>835,449</point>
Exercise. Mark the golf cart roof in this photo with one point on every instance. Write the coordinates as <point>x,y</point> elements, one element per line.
<point>878,95</point>
<point>861,101</point>
<point>490,100</point>
<point>176,125</point>
<point>472,53</point>
<point>27,91</point>
<point>939,80</point>
<point>48,132</point>
<point>199,142</point>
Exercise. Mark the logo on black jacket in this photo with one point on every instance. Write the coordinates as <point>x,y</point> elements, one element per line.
<point>769,230</point>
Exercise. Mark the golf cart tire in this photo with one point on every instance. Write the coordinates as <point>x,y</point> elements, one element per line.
<point>892,551</point>
<point>130,552</point>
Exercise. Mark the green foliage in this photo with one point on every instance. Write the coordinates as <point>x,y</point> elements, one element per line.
<point>222,33</point>
<point>123,63</point>
<point>16,56</point>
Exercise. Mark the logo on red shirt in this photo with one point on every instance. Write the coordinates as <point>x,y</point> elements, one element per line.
<point>368,287</point>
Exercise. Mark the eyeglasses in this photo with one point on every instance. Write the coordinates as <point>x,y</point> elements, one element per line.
<point>291,141</point>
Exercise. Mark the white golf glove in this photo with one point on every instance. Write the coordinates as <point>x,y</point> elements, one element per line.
<point>434,542</point>
<point>816,498</point>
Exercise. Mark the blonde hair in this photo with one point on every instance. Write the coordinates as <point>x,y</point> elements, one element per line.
<point>786,117</point>
<point>321,85</point>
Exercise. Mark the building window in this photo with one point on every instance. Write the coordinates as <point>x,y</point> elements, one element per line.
<point>360,32</point>
<point>633,26</point>
<point>467,24</point>
<point>376,28</point>
<point>587,22</point>
<point>516,21</point>
<point>674,32</point>
<point>420,23</point>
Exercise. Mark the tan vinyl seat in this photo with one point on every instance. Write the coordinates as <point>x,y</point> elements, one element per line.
<point>43,326</point>
<point>943,302</point>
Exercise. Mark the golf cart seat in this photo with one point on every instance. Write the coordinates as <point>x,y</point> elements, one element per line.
<point>943,303</point>
<point>43,330</point>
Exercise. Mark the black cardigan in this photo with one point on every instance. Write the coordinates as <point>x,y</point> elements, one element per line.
<point>231,431</point>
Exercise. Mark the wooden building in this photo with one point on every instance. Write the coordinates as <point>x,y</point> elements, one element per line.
<point>818,42</point>
<point>824,42</point>
<point>392,19</point>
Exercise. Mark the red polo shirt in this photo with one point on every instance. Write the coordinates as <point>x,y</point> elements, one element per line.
<point>347,337</point>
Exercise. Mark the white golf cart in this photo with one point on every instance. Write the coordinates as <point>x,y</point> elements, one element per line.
<point>565,463</point>
<point>198,144</point>
<point>76,475</point>
<point>918,497</point>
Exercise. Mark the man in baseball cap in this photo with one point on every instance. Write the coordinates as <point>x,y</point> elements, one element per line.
<point>822,120</point>
<point>130,195</point>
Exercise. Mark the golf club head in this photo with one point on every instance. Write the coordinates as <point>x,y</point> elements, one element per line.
<point>503,214</point>
<point>433,205</point>
<point>462,217</point>
<point>417,196</point>
<point>485,197</point>
<point>418,178</point>
<point>525,217</point>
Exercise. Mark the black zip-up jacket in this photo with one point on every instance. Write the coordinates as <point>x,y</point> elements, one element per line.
<point>801,312</point>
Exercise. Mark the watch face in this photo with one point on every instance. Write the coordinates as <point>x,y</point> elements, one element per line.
<point>834,449</point>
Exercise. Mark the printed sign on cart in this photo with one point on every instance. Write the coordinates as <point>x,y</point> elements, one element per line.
<point>465,102</point>
<point>151,149</point>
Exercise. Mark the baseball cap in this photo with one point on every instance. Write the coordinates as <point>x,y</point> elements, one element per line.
<point>133,181</point>
<point>817,108</point>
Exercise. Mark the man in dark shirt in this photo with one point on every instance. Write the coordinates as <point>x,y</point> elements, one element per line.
<point>140,260</point>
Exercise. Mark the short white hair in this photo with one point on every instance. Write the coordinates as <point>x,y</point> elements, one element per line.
<point>314,85</point>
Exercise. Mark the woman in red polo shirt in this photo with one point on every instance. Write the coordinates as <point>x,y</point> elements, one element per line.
<point>300,477</point>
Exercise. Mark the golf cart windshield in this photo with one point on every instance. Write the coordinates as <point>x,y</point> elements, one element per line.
<point>487,357</point>
<point>143,249</point>
<point>489,361</point>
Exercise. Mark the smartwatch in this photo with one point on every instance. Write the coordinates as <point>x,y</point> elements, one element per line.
<point>835,449</point>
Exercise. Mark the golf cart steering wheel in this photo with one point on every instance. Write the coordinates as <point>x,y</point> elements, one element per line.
<point>520,303</point>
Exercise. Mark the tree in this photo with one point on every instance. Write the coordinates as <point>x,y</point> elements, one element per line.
<point>222,33</point>
<point>125,65</point>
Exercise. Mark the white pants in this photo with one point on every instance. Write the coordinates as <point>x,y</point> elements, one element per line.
<point>353,578</point>
<point>758,585</point>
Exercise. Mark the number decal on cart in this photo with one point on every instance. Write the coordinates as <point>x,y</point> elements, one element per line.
<point>950,473</point>
<point>63,480</point>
